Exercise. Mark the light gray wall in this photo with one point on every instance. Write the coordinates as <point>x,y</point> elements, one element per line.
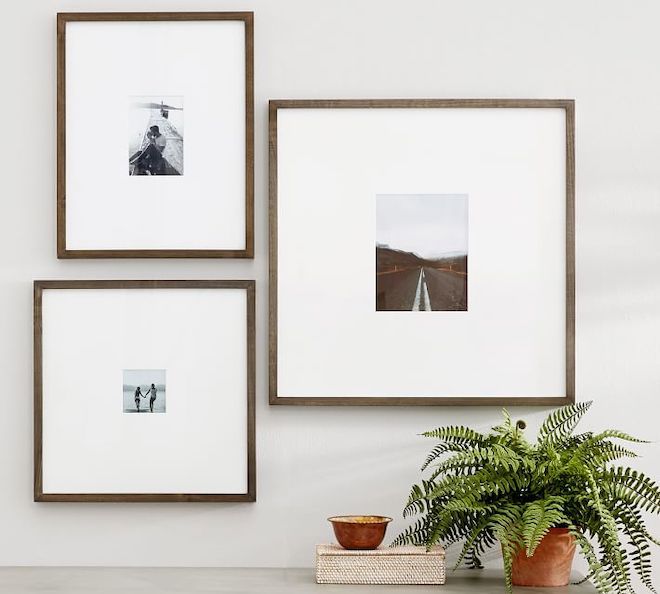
<point>316,462</point>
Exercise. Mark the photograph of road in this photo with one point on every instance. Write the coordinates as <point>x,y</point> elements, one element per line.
<point>421,252</point>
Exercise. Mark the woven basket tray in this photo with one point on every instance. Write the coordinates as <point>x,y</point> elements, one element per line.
<point>398,565</point>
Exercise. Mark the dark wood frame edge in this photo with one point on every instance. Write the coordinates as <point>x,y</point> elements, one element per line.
<point>62,19</point>
<point>570,251</point>
<point>419,103</point>
<point>569,106</point>
<point>272,255</point>
<point>250,287</point>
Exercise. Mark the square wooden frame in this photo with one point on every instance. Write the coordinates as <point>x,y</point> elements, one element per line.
<point>568,105</point>
<point>66,17</point>
<point>248,286</point>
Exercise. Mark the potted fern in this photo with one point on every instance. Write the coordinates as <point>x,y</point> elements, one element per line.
<point>537,501</point>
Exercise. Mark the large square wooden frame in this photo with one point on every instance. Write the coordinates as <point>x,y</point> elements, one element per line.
<point>277,398</point>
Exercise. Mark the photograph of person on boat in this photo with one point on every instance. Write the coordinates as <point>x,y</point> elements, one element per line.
<point>147,384</point>
<point>155,145</point>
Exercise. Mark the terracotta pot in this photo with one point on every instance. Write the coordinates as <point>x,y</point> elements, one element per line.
<point>359,532</point>
<point>551,563</point>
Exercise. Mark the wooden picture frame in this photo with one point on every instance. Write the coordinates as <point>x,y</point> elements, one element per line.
<point>241,243</point>
<point>303,116</point>
<point>63,309</point>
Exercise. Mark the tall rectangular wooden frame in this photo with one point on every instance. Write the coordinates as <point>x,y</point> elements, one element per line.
<point>565,106</point>
<point>248,430</point>
<point>63,249</point>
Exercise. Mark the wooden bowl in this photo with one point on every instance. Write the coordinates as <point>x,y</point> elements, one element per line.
<point>359,532</point>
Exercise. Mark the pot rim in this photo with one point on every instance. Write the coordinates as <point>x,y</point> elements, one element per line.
<point>360,520</point>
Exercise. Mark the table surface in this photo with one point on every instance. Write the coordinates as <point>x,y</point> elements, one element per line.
<point>118,580</point>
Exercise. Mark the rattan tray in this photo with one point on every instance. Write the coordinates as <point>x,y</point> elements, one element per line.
<point>398,565</point>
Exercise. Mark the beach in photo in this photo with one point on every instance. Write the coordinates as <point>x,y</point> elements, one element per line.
<point>144,391</point>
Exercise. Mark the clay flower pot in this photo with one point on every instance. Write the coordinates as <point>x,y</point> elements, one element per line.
<point>551,563</point>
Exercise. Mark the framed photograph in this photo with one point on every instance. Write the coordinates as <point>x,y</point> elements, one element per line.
<point>144,391</point>
<point>155,135</point>
<point>422,252</point>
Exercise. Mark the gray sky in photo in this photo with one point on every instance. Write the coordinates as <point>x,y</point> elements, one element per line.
<point>430,225</point>
<point>171,100</point>
<point>143,377</point>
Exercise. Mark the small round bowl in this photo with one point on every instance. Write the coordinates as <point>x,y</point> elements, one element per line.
<point>359,532</point>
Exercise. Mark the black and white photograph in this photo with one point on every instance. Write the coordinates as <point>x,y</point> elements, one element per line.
<point>421,252</point>
<point>144,391</point>
<point>155,138</point>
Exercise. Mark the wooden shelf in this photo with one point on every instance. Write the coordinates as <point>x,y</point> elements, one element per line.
<point>106,580</point>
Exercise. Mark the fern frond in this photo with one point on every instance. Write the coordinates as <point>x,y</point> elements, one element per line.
<point>456,434</point>
<point>627,515</point>
<point>597,450</point>
<point>606,453</point>
<point>640,489</point>
<point>484,543</point>
<point>492,455</point>
<point>436,452</point>
<point>472,561</point>
<point>414,535</point>
<point>442,448</point>
<point>416,502</point>
<point>641,554</point>
<point>458,529</point>
<point>613,558</point>
<point>615,434</point>
<point>505,526</point>
<point>537,519</point>
<point>470,541</point>
<point>597,572</point>
<point>560,423</point>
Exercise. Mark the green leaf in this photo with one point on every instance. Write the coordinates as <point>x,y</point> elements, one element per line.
<point>560,423</point>
<point>538,517</point>
<point>455,434</point>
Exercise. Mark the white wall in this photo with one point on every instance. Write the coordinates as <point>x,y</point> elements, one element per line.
<point>315,462</point>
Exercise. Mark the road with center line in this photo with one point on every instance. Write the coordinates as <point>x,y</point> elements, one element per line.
<point>421,289</point>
